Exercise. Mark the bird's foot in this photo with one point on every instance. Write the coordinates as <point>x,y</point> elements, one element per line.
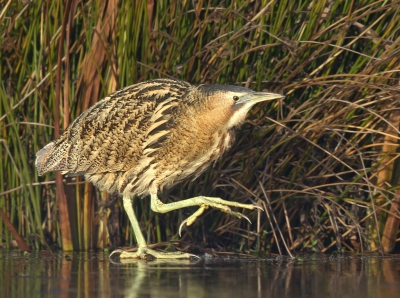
<point>221,205</point>
<point>147,254</point>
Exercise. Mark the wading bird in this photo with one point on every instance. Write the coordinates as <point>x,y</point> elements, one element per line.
<point>148,137</point>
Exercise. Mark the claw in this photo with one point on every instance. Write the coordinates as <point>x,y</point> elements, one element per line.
<point>258,207</point>
<point>244,216</point>
<point>120,251</point>
<point>240,215</point>
<point>195,257</point>
<point>180,227</point>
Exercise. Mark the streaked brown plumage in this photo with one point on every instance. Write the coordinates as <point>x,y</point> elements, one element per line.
<point>150,136</point>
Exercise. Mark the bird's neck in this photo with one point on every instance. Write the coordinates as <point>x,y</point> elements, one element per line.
<point>215,120</point>
<point>237,116</point>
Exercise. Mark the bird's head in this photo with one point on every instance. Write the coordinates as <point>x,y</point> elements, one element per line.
<point>233,102</point>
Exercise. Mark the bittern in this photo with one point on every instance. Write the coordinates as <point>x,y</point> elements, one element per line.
<point>148,137</point>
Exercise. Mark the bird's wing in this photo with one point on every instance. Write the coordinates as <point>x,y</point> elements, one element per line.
<point>115,133</point>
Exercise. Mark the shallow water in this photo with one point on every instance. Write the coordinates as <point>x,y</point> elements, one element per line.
<point>94,275</point>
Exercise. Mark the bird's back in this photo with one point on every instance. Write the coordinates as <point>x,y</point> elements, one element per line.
<point>117,133</point>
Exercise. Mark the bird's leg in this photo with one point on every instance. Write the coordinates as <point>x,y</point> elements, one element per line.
<point>203,202</point>
<point>143,251</point>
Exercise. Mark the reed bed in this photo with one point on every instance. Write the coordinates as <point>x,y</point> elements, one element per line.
<point>323,163</point>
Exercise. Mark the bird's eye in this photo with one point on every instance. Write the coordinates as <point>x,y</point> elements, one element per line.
<point>236,98</point>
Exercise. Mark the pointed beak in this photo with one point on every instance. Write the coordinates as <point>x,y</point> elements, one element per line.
<point>256,97</point>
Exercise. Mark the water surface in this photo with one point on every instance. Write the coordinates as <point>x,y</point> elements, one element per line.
<point>94,275</point>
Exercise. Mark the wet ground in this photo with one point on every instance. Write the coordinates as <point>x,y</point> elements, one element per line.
<point>94,275</point>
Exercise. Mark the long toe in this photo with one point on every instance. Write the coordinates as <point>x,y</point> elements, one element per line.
<point>129,255</point>
<point>170,255</point>
<point>147,254</point>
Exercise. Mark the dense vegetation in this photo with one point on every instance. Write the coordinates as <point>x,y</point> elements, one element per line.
<point>323,163</point>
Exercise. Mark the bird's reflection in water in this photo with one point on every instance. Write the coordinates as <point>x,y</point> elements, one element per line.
<point>147,275</point>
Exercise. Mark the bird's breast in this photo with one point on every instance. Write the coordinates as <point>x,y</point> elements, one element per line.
<point>184,149</point>
<point>204,153</point>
